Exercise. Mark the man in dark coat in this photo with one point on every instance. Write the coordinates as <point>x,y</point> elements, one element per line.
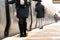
<point>40,13</point>
<point>22,14</point>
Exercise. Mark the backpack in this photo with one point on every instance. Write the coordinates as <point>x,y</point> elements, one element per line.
<point>56,16</point>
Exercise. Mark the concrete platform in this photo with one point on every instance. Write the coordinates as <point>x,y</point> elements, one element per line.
<point>49,32</point>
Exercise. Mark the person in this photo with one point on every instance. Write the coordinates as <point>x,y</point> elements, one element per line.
<point>56,17</point>
<point>22,9</point>
<point>40,13</point>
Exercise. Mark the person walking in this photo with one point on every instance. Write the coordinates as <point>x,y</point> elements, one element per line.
<point>40,13</point>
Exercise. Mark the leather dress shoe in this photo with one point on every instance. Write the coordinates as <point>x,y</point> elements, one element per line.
<point>24,35</point>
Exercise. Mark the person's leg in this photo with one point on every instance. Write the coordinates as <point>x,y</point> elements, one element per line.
<point>25,27</point>
<point>41,23</point>
<point>21,26</point>
<point>38,24</point>
<point>55,20</point>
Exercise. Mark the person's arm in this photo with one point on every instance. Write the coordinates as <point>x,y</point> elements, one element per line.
<point>36,7</point>
<point>43,9</point>
<point>28,2</point>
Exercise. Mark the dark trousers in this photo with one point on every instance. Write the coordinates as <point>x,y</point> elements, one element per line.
<point>22,25</point>
<point>55,19</point>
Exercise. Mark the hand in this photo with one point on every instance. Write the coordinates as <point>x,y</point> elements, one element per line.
<point>15,14</point>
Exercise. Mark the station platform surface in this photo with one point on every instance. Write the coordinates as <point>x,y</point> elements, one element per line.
<point>49,32</point>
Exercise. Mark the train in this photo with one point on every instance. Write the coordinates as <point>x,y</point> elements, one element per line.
<point>13,20</point>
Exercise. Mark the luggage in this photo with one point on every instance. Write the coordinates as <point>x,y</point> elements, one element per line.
<point>56,17</point>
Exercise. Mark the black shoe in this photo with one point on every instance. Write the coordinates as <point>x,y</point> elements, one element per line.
<point>24,35</point>
<point>41,27</point>
<point>21,35</point>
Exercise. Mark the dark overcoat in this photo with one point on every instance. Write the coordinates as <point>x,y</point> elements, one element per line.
<point>40,10</point>
<point>22,10</point>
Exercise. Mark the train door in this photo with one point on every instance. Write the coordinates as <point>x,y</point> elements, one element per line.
<point>14,29</point>
<point>34,20</point>
<point>8,18</point>
<point>12,20</point>
<point>2,18</point>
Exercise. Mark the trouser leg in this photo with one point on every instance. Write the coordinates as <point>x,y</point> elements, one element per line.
<point>41,23</point>
<point>25,25</point>
<point>55,19</point>
<point>21,25</point>
<point>38,22</point>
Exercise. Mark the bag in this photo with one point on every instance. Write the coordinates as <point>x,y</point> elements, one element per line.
<point>56,16</point>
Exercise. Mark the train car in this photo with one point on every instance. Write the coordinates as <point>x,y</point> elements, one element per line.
<point>2,18</point>
<point>8,17</point>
